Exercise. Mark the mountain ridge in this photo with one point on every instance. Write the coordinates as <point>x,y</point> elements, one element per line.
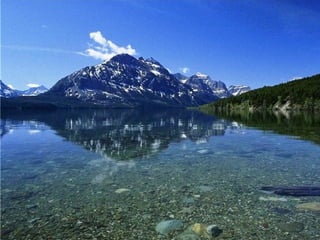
<point>125,81</point>
<point>7,92</point>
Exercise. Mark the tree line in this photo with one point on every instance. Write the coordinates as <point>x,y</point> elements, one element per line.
<point>302,94</point>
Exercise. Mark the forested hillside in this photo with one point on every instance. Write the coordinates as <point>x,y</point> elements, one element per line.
<point>302,94</point>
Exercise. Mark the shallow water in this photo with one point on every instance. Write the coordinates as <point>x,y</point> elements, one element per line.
<point>117,174</point>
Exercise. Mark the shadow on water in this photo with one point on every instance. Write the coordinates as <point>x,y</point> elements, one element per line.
<point>124,134</point>
<point>298,124</point>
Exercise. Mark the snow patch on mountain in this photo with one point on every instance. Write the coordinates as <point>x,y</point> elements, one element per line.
<point>237,90</point>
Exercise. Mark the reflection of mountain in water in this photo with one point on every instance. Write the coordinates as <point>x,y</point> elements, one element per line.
<point>128,134</point>
<point>131,134</point>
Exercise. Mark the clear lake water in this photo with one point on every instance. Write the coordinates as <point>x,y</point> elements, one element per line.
<point>116,174</point>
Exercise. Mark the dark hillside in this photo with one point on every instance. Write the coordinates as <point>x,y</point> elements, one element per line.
<point>302,94</point>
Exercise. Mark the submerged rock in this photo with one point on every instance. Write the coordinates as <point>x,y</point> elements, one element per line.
<point>188,234</point>
<point>200,229</point>
<point>205,231</point>
<point>311,206</point>
<point>122,190</point>
<point>297,191</point>
<point>273,199</point>
<point>167,226</point>
<point>214,230</point>
<point>291,227</point>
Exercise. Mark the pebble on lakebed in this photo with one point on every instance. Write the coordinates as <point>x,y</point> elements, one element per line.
<point>200,231</point>
<point>167,226</point>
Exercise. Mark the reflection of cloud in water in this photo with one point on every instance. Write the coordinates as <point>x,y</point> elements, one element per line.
<point>108,166</point>
<point>33,131</point>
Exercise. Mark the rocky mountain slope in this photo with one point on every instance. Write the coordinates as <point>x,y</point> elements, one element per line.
<point>238,89</point>
<point>127,81</point>
<point>6,91</point>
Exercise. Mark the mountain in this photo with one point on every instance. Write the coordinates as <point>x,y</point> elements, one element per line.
<point>127,81</point>
<point>34,91</point>
<point>301,94</point>
<point>238,90</point>
<point>182,78</point>
<point>124,81</point>
<point>202,83</point>
<point>8,92</point>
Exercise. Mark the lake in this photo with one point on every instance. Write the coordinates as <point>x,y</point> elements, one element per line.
<point>118,174</point>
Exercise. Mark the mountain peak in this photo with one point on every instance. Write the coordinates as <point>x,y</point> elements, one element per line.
<point>201,75</point>
<point>152,60</point>
<point>124,59</point>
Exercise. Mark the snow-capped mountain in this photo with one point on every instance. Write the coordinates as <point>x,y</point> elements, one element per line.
<point>182,78</point>
<point>8,92</point>
<point>127,81</point>
<point>203,83</point>
<point>34,91</point>
<point>124,81</point>
<point>238,90</point>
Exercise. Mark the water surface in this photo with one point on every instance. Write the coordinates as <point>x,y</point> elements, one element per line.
<point>116,174</point>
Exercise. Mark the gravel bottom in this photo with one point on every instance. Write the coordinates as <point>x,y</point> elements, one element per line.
<point>93,202</point>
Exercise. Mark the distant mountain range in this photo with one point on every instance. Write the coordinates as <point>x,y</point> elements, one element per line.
<point>7,92</point>
<point>238,90</point>
<point>124,81</point>
<point>301,94</point>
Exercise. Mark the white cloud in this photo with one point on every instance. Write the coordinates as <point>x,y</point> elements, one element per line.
<point>32,85</point>
<point>97,37</point>
<point>184,70</point>
<point>105,49</point>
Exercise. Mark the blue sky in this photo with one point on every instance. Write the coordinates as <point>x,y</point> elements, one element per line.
<point>251,42</point>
